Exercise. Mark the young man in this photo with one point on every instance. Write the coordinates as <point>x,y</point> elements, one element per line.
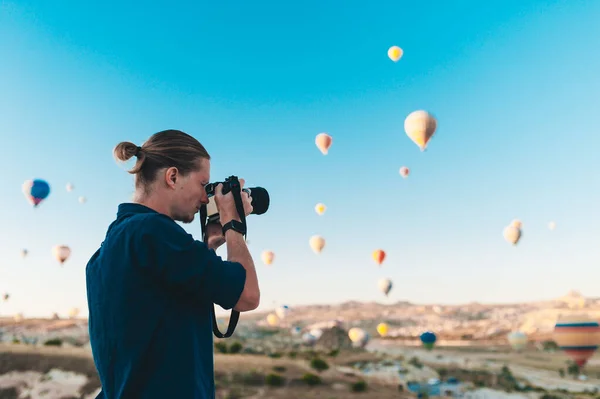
<point>151,286</point>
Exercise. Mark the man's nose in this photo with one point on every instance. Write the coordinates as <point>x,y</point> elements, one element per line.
<point>204,198</point>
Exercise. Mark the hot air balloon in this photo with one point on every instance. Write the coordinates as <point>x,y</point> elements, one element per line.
<point>36,191</point>
<point>282,311</point>
<point>82,200</point>
<point>272,319</point>
<point>395,53</point>
<point>70,187</point>
<point>6,296</point>
<point>404,171</point>
<point>316,332</point>
<point>578,336</point>
<point>24,252</point>
<point>18,317</point>
<point>379,256</point>
<point>267,257</point>
<point>517,223</point>
<point>385,285</point>
<point>309,339</point>
<point>296,330</point>
<point>320,208</point>
<point>73,313</point>
<point>358,336</point>
<point>428,339</point>
<point>382,329</point>
<point>420,127</point>
<point>517,340</point>
<point>317,243</point>
<point>552,225</point>
<point>323,142</point>
<point>61,253</point>
<point>512,234</point>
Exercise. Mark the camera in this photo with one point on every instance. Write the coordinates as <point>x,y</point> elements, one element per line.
<point>260,198</point>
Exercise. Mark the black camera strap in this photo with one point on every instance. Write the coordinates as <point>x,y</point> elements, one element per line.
<point>239,205</point>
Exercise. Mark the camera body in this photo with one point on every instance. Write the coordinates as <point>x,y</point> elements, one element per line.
<point>260,197</point>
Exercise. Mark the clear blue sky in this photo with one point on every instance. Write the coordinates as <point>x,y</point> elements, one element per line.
<point>514,85</point>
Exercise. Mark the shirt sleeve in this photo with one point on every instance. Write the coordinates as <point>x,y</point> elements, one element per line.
<point>186,266</point>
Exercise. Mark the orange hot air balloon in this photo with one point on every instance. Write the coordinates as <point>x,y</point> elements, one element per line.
<point>578,336</point>
<point>323,142</point>
<point>379,256</point>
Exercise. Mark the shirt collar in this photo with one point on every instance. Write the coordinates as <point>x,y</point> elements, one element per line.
<point>130,207</point>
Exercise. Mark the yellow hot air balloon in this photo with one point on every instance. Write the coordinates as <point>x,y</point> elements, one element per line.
<point>378,256</point>
<point>61,253</point>
<point>317,243</point>
<point>382,329</point>
<point>267,257</point>
<point>395,53</point>
<point>323,142</point>
<point>420,127</point>
<point>355,333</point>
<point>272,319</point>
<point>512,234</point>
<point>320,208</point>
<point>73,313</point>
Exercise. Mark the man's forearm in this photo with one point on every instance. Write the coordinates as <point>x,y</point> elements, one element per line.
<point>237,251</point>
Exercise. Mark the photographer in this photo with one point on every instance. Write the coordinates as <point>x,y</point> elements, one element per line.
<point>151,287</point>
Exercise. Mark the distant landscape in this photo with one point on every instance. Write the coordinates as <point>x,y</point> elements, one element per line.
<point>51,358</point>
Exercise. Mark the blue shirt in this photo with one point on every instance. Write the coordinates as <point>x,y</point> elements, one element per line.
<point>150,291</point>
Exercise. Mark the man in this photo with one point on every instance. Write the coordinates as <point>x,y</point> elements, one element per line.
<point>151,286</point>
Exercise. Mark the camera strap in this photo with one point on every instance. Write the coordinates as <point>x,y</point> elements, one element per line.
<point>235,315</point>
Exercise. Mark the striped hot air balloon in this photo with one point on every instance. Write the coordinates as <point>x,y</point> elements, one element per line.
<point>578,336</point>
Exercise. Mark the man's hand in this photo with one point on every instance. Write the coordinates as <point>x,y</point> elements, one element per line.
<point>226,203</point>
<point>214,235</point>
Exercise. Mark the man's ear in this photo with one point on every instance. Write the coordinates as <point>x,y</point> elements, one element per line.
<point>171,176</point>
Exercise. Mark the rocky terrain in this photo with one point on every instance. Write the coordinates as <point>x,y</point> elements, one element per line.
<point>51,358</point>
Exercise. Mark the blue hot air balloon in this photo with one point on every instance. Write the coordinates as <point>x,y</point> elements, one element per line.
<point>36,191</point>
<point>428,339</point>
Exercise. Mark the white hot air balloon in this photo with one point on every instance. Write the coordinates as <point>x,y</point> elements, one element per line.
<point>282,311</point>
<point>518,340</point>
<point>420,126</point>
<point>385,285</point>
<point>552,225</point>
<point>317,243</point>
<point>512,234</point>
<point>267,257</point>
<point>24,252</point>
<point>61,253</point>
<point>82,200</point>
<point>70,187</point>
